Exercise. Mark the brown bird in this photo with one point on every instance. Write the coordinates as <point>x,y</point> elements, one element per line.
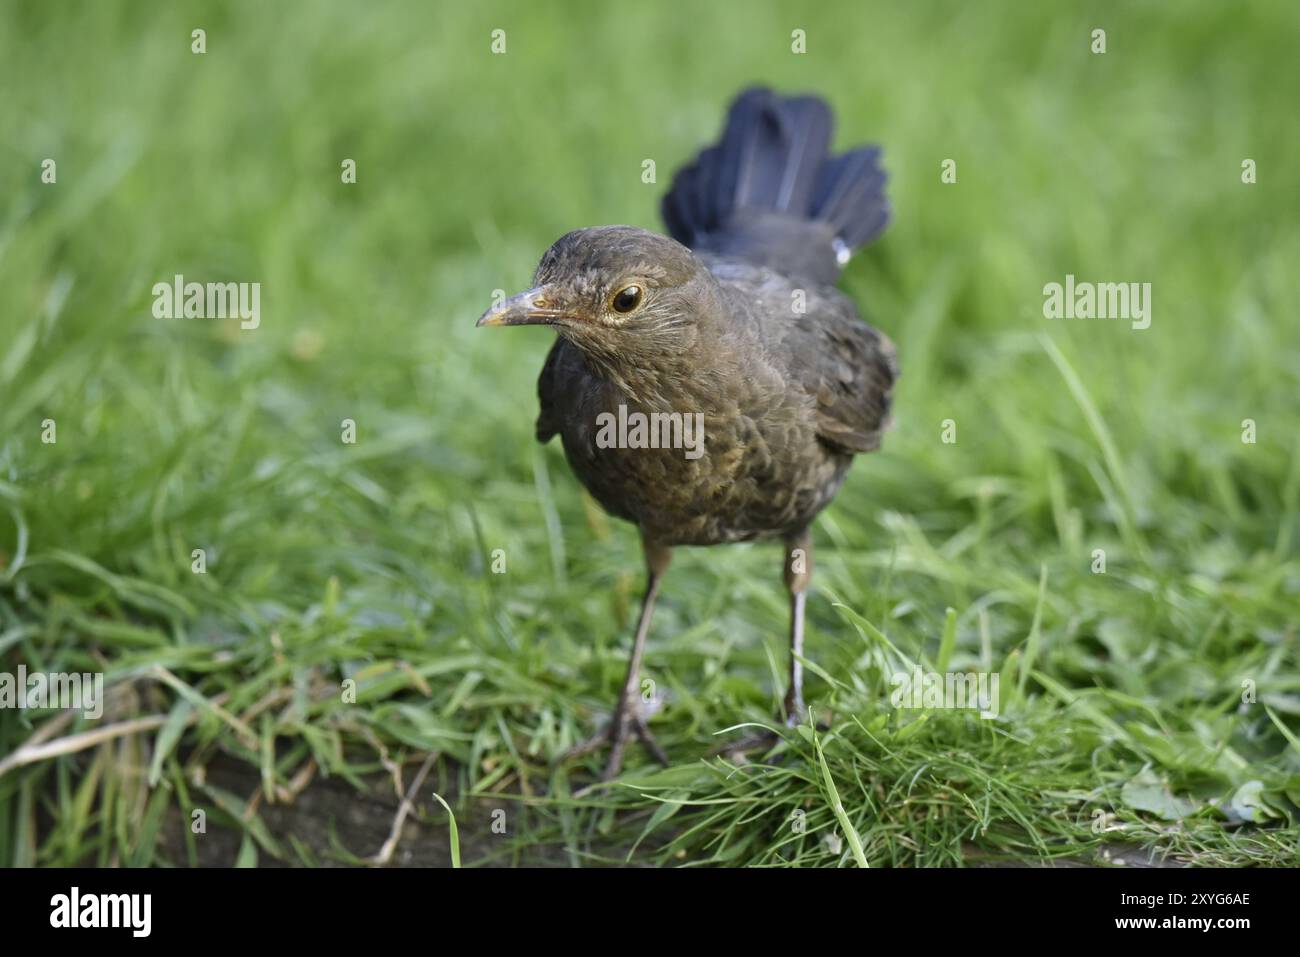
<point>733,324</point>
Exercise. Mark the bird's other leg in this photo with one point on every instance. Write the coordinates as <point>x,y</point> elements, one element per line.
<point>627,718</point>
<point>798,572</point>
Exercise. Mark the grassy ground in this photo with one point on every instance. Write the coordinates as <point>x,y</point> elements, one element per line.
<point>1122,720</point>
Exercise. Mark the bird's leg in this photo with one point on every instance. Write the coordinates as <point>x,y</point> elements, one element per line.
<point>627,717</point>
<point>798,572</point>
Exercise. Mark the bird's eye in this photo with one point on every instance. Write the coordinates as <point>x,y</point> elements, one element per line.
<point>627,299</point>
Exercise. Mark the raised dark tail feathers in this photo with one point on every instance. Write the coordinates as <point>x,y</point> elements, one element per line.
<point>770,192</point>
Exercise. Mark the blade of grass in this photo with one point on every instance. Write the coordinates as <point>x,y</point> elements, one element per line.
<point>837,806</point>
<point>453,833</point>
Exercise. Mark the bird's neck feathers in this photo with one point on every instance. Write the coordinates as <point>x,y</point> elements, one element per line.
<point>645,367</point>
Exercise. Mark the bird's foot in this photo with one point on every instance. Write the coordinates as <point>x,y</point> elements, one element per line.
<point>792,715</point>
<point>763,740</point>
<point>628,719</point>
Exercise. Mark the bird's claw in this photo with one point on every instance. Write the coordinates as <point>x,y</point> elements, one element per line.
<point>628,721</point>
<point>791,716</point>
<point>764,740</point>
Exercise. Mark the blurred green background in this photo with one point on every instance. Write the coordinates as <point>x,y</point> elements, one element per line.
<point>328,561</point>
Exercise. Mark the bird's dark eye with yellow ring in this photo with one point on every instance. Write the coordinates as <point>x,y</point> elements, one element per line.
<point>627,299</point>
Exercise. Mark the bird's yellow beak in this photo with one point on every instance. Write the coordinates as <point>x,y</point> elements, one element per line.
<point>536,307</point>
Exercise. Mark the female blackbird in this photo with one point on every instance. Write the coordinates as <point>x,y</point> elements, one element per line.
<point>736,319</point>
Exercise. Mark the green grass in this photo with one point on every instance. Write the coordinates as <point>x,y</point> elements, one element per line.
<point>1122,721</point>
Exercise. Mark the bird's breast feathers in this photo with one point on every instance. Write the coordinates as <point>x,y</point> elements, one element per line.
<point>707,466</point>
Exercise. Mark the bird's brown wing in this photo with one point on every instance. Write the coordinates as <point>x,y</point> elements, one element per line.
<point>563,364</point>
<point>846,366</point>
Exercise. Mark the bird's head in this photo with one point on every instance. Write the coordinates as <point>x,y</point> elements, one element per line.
<point>621,294</point>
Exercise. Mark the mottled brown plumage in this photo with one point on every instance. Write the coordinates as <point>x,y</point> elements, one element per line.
<point>787,400</point>
<point>746,329</point>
